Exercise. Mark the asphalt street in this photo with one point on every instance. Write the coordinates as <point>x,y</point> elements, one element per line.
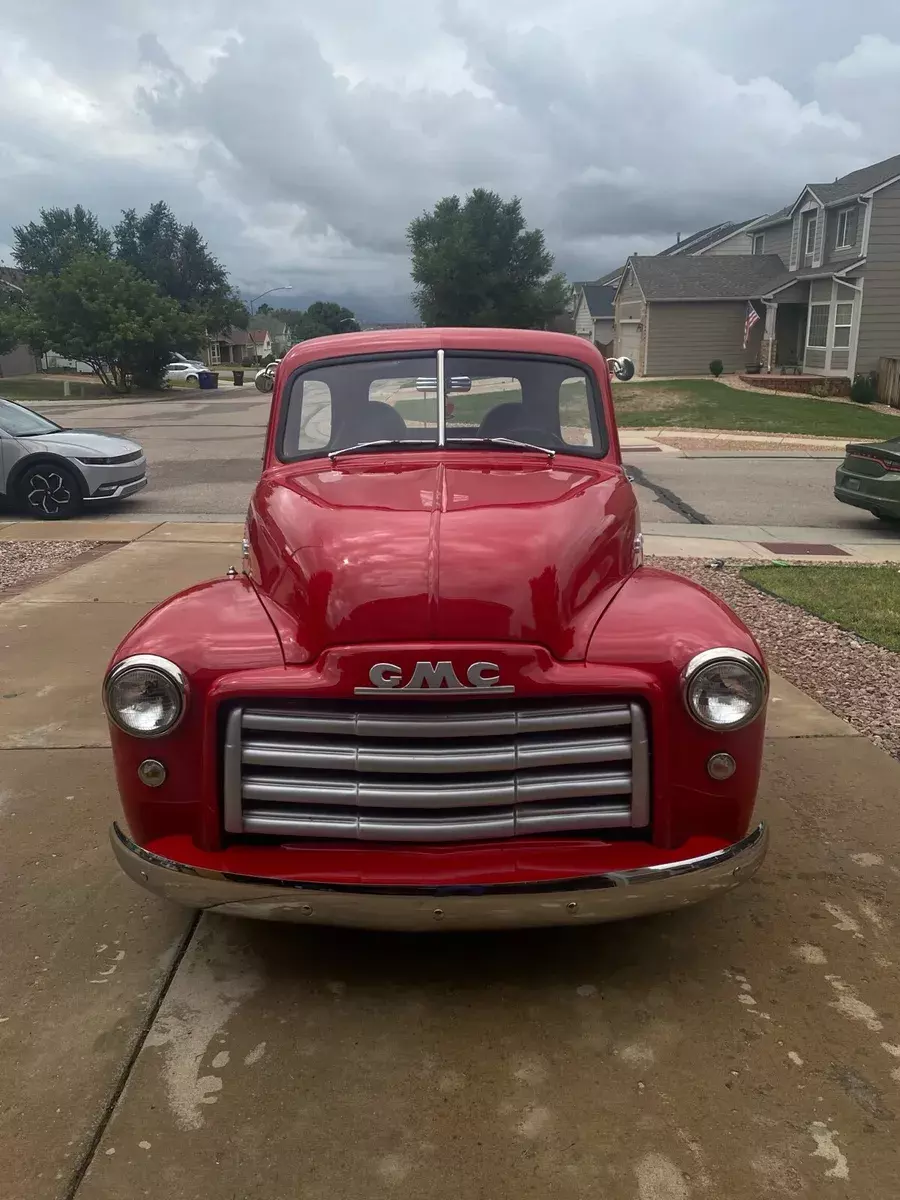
<point>204,458</point>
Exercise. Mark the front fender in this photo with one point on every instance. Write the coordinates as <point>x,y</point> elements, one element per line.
<point>209,630</point>
<point>656,624</point>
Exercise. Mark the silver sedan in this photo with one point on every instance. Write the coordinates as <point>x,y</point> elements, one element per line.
<point>51,473</point>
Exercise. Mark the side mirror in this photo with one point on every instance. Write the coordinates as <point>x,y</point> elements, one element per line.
<point>622,368</point>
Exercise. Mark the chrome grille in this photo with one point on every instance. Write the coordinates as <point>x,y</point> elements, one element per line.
<point>435,771</point>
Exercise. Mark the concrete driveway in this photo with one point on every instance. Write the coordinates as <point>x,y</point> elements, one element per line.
<point>749,1048</point>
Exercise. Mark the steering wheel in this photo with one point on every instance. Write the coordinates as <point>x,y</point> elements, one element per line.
<point>539,437</point>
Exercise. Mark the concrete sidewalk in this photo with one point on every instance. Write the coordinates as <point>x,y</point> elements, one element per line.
<point>663,539</point>
<point>782,444</point>
<point>744,1048</point>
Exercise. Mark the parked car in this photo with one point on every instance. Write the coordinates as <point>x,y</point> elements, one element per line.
<point>51,472</point>
<point>194,362</point>
<point>184,372</point>
<point>869,477</point>
<point>444,692</point>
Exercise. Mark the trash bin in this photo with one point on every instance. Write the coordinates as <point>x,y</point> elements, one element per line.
<point>238,378</point>
<point>209,380</point>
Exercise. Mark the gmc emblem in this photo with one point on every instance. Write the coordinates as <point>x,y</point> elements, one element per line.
<point>440,676</point>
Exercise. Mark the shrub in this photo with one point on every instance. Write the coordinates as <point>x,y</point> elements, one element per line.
<point>716,367</point>
<point>864,389</point>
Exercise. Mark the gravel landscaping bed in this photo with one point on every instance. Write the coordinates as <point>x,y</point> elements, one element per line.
<point>24,561</point>
<point>854,679</point>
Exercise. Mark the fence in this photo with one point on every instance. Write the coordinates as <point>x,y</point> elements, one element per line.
<point>889,381</point>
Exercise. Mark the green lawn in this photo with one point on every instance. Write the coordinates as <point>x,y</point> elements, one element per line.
<point>41,389</point>
<point>687,404</point>
<point>29,389</point>
<point>469,408</point>
<point>706,404</point>
<point>865,600</point>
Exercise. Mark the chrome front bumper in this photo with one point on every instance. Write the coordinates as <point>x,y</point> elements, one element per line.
<point>613,896</point>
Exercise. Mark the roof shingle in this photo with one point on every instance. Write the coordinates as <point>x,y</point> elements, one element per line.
<point>696,242</point>
<point>713,277</point>
<point>848,187</point>
<point>599,298</point>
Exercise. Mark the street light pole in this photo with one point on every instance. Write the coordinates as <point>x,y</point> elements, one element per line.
<point>286,288</point>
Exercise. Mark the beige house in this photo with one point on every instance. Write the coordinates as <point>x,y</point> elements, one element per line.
<point>594,314</point>
<point>823,274</point>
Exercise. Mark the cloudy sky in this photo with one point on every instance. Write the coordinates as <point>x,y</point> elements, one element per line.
<point>301,138</point>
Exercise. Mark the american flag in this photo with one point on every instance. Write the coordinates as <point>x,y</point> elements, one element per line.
<point>752,318</point>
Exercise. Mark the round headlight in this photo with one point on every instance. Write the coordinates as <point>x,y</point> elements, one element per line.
<point>724,689</point>
<point>145,695</point>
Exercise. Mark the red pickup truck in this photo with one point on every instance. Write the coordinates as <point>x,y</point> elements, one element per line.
<point>444,691</point>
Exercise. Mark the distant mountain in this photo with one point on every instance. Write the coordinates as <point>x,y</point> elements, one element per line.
<point>369,309</point>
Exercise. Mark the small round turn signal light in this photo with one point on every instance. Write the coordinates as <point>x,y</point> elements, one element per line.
<point>721,766</point>
<point>152,773</point>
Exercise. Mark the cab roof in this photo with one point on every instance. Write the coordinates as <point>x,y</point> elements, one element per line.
<point>399,341</point>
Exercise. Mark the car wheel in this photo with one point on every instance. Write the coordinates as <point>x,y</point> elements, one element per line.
<point>49,491</point>
<point>192,380</point>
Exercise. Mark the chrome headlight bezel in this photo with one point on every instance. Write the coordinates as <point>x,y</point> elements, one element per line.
<point>170,672</point>
<point>710,658</point>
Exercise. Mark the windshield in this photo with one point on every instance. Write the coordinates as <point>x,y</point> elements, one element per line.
<point>22,422</point>
<point>488,401</point>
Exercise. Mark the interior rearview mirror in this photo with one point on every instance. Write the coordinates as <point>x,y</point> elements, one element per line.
<point>622,368</point>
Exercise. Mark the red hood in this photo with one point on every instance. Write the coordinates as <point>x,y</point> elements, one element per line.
<point>426,549</point>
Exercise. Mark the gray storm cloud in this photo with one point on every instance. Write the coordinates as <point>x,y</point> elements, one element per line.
<point>302,142</point>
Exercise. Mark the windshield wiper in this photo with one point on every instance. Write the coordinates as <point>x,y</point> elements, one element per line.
<point>382,442</point>
<point>502,441</point>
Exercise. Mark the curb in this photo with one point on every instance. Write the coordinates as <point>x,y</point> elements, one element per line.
<point>675,541</point>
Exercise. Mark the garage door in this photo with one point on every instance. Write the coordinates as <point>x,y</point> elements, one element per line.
<point>628,342</point>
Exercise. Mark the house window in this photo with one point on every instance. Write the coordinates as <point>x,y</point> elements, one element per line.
<point>843,320</point>
<point>759,243</point>
<point>846,229</point>
<point>818,325</point>
<point>809,244</point>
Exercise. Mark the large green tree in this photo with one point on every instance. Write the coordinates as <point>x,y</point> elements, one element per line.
<point>10,318</point>
<point>322,318</point>
<point>177,259</point>
<point>47,246</point>
<point>474,262</point>
<point>102,312</point>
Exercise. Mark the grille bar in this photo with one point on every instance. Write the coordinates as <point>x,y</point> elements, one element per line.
<point>441,724</point>
<point>435,771</point>
<point>332,755</point>
<point>395,793</point>
<point>432,827</point>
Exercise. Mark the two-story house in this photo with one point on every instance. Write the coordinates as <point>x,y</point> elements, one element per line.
<point>823,275</point>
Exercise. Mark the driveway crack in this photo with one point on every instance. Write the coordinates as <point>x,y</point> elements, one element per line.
<point>668,498</point>
<point>84,1163</point>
